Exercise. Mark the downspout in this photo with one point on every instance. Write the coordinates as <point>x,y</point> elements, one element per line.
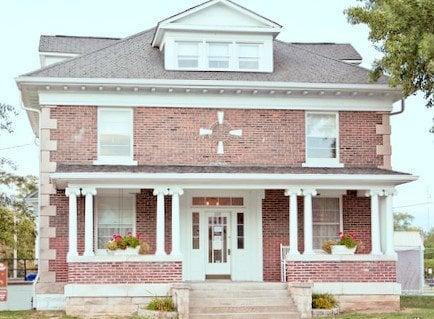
<point>39,194</point>
<point>401,110</point>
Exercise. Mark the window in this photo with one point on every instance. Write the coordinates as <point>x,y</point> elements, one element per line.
<point>195,230</point>
<point>116,215</point>
<point>240,230</point>
<point>248,56</point>
<point>218,55</point>
<point>322,137</point>
<point>218,201</point>
<point>326,220</point>
<point>115,135</point>
<point>188,54</point>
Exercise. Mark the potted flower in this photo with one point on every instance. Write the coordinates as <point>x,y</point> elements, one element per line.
<point>346,245</point>
<point>128,244</point>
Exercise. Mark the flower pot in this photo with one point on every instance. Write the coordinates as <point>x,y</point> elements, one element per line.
<point>132,251</point>
<point>343,250</point>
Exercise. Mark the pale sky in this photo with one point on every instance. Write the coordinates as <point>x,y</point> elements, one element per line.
<point>23,21</point>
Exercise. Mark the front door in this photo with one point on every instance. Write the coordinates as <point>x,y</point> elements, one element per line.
<point>218,244</point>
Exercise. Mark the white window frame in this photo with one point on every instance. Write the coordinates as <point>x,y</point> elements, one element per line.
<point>115,160</point>
<point>103,251</point>
<point>341,218</point>
<point>203,59</point>
<point>322,162</point>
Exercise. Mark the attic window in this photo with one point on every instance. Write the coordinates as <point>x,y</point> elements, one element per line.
<point>188,54</point>
<point>218,55</point>
<point>248,56</point>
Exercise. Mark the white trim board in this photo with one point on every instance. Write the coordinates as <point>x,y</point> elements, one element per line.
<point>199,100</point>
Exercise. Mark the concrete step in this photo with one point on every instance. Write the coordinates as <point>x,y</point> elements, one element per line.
<point>242,309</point>
<point>240,301</point>
<point>238,293</point>
<point>274,315</point>
<point>238,286</point>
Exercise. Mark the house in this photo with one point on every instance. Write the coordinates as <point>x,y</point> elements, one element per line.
<point>218,143</point>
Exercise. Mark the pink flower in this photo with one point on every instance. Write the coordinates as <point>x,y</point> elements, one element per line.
<point>129,234</point>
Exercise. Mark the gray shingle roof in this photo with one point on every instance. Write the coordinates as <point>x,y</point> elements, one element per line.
<point>73,44</point>
<point>135,58</point>
<point>339,51</point>
<point>65,168</point>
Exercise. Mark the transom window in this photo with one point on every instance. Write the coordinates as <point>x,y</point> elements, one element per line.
<point>218,55</point>
<point>248,56</point>
<point>115,135</point>
<point>326,220</point>
<point>188,54</point>
<point>218,201</point>
<point>116,215</point>
<point>322,143</point>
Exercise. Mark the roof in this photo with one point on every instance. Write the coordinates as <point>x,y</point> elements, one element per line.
<point>185,169</point>
<point>405,240</point>
<point>135,58</point>
<point>73,44</point>
<point>339,51</point>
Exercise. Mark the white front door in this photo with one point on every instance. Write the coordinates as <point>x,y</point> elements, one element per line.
<point>218,241</point>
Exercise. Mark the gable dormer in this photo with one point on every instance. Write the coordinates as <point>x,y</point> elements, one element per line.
<point>217,35</point>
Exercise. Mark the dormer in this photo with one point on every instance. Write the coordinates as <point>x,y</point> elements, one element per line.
<point>217,35</point>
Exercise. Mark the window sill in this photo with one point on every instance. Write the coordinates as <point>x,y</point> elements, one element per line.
<point>322,163</point>
<point>102,161</point>
<point>104,257</point>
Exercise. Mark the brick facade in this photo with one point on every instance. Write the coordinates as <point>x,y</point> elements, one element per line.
<point>341,271</point>
<point>165,136</point>
<point>275,226</point>
<point>124,272</point>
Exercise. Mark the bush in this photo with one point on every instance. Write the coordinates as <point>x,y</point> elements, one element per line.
<point>161,304</point>
<point>323,301</point>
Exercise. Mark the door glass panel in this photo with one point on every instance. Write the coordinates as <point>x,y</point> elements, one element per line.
<point>217,239</point>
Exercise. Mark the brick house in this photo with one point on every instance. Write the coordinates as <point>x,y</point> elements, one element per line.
<point>219,144</point>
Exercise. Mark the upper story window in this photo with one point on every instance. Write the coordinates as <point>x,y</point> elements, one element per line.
<point>322,139</point>
<point>248,56</point>
<point>115,136</point>
<point>188,54</point>
<point>218,55</point>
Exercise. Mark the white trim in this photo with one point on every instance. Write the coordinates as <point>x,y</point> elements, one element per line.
<point>357,288</point>
<point>115,160</point>
<point>190,99</point>
<point>338,258</point>
<point>117,290</point>
<point>102,258</point>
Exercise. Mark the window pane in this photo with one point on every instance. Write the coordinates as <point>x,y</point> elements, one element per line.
<point>326,220</point>
<point>114,129</point>
<point>248,56</point>
<point>188,54</point>
<point>195,230</point>
<point>218,55</point>
<point>187,62</point>
<point>248,64</point>
<point>321,136</point>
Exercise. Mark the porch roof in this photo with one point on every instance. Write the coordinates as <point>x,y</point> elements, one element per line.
<point>142,176</point>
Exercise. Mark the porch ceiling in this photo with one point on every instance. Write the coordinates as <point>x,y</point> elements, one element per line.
<point>253,177</point>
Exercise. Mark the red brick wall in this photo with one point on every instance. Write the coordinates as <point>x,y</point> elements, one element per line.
<point>275,226</point>
<point>124,272</point>
<point>341,271</point>
<point>164,136</point>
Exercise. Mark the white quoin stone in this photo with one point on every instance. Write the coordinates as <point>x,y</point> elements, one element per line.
<point>293,220</point>
<point>308,223</point>
<point>160,192</point>
<point>176,233</point>
<point>88,192</point>
<point>72,193</point>
<point>220,117</point>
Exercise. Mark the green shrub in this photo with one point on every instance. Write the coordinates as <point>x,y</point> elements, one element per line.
<point>323,301</point>
<point>161,304</point>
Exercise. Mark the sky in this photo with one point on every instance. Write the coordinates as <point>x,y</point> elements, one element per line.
<point>23,21</point>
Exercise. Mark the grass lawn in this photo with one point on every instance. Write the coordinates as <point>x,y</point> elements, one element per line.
<point>412,308</point>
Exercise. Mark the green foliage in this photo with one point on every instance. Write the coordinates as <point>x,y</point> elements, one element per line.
<point>348,240</point>
<point>161,304</point>
<point>131,241</point>
<point>403,222</point>
<point>403,30</point>
<point>417,302</point>
<point>429,263</point>
<point>323,301</point>
<point>119,242</point>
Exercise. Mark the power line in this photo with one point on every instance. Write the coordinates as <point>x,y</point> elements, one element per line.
<point>412,205</point>
<point>15,146</point>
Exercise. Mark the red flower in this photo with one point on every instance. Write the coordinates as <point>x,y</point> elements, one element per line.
<point>129,234</point>
<point>138,235</point>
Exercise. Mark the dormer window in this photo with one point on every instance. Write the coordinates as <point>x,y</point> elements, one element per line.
<point>248,56</point>
<point>188,54</point>
<point>218,55</point>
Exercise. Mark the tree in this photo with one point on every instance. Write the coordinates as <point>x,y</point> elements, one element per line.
<point>403,30</point>
<point>403,222</point>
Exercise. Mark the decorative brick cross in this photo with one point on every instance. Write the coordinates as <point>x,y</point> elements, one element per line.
<point>209,131</point>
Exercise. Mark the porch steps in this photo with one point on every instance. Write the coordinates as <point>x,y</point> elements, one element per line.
<point>236,300</point>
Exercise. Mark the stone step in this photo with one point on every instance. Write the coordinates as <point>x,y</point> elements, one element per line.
<point>238,286</point>
<point>241,301</point>
<point>270,315</point>
<point>238,293</point>
<point>242,309</point>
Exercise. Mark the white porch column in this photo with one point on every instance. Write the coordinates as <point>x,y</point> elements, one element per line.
<point>308,227</point>
<point>390,247</point>
<point>160,192</point>
<point>293,220</point>
<point>88,192</point>
<point>375,221</point>
<point>72,193</point>
<point>176,234</point>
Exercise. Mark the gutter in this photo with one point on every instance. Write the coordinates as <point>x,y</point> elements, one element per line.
<point>402,110</point>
